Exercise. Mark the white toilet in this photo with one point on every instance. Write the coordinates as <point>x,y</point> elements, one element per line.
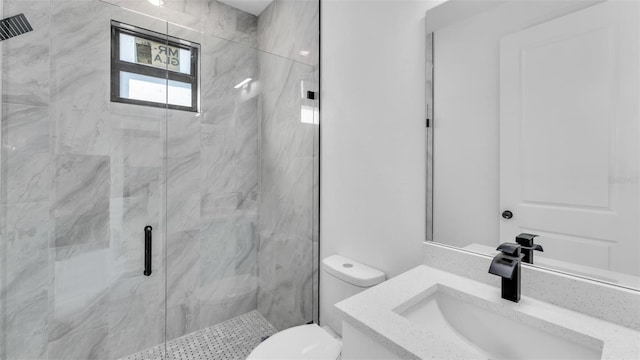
<point>347,278</point>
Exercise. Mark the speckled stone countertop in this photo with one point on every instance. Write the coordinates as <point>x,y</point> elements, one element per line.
<point>376,313</point>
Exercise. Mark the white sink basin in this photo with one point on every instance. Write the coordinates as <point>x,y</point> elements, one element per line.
<point>427,313</point>
<point>491,331</point>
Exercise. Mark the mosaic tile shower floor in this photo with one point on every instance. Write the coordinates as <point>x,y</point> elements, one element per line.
<point>229,340</point>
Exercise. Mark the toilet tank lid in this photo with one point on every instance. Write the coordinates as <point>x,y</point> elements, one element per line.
<point>352,271</point>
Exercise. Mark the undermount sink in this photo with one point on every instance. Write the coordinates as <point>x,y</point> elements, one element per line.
<point>428,313</point>
<point>492,330</point>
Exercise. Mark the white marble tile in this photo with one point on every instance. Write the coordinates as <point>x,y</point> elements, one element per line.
<point>217,251</point>
<point>246,146</point>
<point>137,152</point>
<point>25,59</point>
<point>183,134</point>
<point>25,233</point>
<point>293,288</point>
<point>183,193</point>
<point>79,344</point>
<point>183,266</point>
<point>26,330</point>
<point>217,205</point>
<point>81,208</point>
<point>247,166</point>
<point>81,109</point>
<point>78,322</point>
<point>74,290</point>
<point>218,165</point>
<point>80,34</point>
<point>183,172</point>
<point>136,313</point>
<point>229,64</point>
<point>281,87</point>
<point>228,23</point>
<point>192,8</point>
<point>140,148</point>
<point>210,304</point>
<point>285,271</point>
<point>179,320</point>
<point>248,111</point>
<point>287,194</point>
<point>80,85</point>
<point>289,139</point>
<point>192,29</point>
<point>25,152</point>
<point>291,29</point>
<point>144,182</point>
<point>25,230</point>
<point>267,250</point>
<point>246,248</point>
<point>207,313</point>
<point>184,13</point>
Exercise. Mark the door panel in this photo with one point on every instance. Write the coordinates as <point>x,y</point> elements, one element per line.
<point>569,136</point>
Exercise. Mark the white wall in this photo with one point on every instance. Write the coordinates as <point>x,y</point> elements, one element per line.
<point>372,133</point>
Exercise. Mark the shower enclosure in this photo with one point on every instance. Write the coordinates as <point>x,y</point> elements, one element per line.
<point>106,133</point>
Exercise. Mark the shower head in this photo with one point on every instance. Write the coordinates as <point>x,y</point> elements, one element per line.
<point>14,26</point>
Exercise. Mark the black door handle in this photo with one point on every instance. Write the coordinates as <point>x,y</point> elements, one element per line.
<point>147,250</point>
<point>507,214</point>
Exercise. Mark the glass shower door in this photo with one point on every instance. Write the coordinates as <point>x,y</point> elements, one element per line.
<point>81,179</point>
<point>241,187</point>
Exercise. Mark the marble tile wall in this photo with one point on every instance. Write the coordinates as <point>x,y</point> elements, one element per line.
<point>107,166</point>
<point>212,186</point>
<point>287,256</point>
<point>291,29</point>
<point>25,221</point>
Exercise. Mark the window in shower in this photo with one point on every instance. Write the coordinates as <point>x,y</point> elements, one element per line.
<point>151,69</point>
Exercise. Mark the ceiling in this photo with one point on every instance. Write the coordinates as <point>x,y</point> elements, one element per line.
<point>254,7</point>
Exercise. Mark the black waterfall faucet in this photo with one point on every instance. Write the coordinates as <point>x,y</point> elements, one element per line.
<point>526,243</point>
<point>506,264</point>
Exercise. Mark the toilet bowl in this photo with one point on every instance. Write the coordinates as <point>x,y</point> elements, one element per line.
<point>299,342</point>
<point>346,278</point>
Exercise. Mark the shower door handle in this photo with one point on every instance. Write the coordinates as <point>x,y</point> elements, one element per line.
<point>147,250</point>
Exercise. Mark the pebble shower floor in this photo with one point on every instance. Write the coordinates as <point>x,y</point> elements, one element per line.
<point>229,340</point>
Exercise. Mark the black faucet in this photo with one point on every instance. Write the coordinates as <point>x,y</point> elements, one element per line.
<point>507,265</point>
<point>526,243</point>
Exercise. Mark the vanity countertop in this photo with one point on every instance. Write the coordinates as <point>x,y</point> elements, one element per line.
<point>375,312</point>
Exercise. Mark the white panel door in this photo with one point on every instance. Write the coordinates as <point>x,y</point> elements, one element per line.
<point>569,136</point>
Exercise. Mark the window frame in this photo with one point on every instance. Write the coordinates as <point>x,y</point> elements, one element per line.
<point>118,65</point>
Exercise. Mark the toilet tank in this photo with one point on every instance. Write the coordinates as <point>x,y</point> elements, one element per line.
<point>343,278</point>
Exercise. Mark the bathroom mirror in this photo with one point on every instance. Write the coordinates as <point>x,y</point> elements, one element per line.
<point>534,129</point>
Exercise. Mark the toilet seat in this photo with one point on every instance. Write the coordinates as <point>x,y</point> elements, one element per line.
<point>299,342</point>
